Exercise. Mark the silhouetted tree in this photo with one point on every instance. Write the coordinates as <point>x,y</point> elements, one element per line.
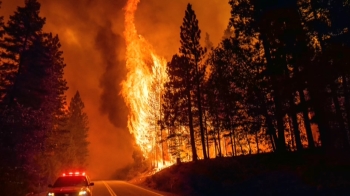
<point>21,77</point>
<point>23,30</point>
<point>192,50</point>
<point>77,126</point>
<point>53,106</point>
<point>177,106</point>
<point>33,94</point>
<point>174,107</point>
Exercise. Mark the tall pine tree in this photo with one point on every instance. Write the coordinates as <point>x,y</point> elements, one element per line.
<point>177,104</point>
<point>77,126</point>
<point>22,32</point>
<point>191,49</point>
<point>22,72</point>
<point>32,94</point>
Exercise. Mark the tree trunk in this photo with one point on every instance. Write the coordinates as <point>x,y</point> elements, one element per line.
<point>339,115</point>
<point>320,119</point>
<point>234,143</point>
<point>199,103</point>
<point>347,102</point>
<point>257,142</point>
<point>240,145</point>
<point>190,118</point>
<point>162,143</point>
<point>231,138</point>
<point>225,146</point>
<point>310,138</point>
<point>281,143</point>
<point>206,135</point>
<point>216,150</point>
<point>296,130</point>
<point>219,142</point>
<point>248,141</point>
<point>271,131</point>
<point>291,134</point>
<point>272,143</point>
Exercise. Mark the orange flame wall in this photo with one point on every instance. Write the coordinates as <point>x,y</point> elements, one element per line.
<point>142,88</point>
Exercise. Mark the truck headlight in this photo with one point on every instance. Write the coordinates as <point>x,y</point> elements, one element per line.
<point>82,193</point>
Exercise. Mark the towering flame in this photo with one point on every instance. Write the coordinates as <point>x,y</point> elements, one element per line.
<point>143,87</point>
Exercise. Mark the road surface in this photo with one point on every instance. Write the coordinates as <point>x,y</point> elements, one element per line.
<point>120,188</point>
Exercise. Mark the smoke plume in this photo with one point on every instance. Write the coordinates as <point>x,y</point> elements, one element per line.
<point>109,46</point>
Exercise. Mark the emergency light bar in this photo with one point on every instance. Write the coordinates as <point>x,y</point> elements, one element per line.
<point>74,174</point>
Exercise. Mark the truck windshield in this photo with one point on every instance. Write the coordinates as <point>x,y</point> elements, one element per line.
<point>70,181</point>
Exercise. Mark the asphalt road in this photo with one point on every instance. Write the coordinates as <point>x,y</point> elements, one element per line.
<point>120,188</point>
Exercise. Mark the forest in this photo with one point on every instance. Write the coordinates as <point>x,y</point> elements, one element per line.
<point>277,82</point>
<point>40,135</point>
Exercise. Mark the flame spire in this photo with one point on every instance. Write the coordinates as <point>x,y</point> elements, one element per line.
<point>146,74</point>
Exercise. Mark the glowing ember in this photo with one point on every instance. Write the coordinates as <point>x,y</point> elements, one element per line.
<point>143,87</point>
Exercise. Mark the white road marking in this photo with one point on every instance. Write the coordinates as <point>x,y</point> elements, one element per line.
<point>109,189</point>
<point>144,189</point>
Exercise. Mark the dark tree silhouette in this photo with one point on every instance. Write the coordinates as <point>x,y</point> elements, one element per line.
<point>178,99</point>
<point>77,126</point>
<point>174,103</point>
<point>23,30</point>
<point>192,50</point>
<point>32,100</point>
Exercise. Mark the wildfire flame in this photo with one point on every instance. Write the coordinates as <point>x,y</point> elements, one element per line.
<point>143,87</point>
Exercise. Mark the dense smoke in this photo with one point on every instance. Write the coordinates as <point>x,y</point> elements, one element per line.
<point>91,33</point>
<point>108,43</point>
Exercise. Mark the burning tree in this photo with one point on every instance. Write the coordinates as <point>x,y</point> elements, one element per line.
<point>142,90</point>
<point>158,114</point>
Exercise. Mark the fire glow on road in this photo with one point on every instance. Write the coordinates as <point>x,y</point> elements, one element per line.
<point>122,188</point>
<point>109,189</point>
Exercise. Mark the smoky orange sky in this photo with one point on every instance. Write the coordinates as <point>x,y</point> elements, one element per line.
<point>91,34</point>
